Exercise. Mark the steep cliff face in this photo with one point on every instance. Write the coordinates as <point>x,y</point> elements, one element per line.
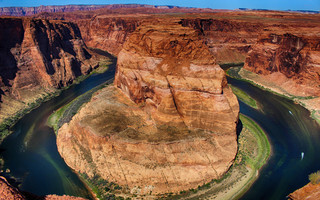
<point>108,33</point>
<point>228,40</point>
<point>173,72</point>
<point>297,57</point>
<point>38,55</point>
<point>169,124</point>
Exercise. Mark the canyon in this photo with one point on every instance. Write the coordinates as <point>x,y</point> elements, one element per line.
<point>171,113</point>
<point>168,124</point>
<point>37,57</point>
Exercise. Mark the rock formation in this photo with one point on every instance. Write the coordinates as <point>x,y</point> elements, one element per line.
<point>37,56</point>
<point>27,11</point>
<point>168,124</point>
<point>108,33</point>
<point>308,192</point>
<point>8,192</point>
<point>288,58</point>
<point>228,40</point>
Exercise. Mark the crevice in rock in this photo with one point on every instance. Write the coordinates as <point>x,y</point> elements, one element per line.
<point>174,100</point>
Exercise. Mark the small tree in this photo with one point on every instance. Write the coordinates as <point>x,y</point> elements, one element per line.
<point>314,178</point>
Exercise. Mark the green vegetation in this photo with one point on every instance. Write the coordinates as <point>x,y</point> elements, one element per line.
<point>314,178</point>
<point>254,150</point>
<point>248,76</point>
<point>65,113</point>
<point>244,97</point>
<point>9,122</point>
<point>255,157</point>
<point>104,189</point>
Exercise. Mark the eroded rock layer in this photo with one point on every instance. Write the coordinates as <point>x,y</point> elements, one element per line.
<point>228,40</point>
<point>170,70</point>
<point>168,124</point>
<point>288,58</point>
<point>37,56</point>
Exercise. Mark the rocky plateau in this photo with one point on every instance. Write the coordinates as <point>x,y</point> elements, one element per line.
<point>169,122</point>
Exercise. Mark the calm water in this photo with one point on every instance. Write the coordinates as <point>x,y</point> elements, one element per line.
<point>291,131</point>
<point>31,153</point>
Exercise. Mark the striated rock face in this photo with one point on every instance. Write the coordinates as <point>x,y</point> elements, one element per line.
<point>169,124</point>
<point>310,192</point>
<point>8,192</point>
<point>293,56</point>
<point>39,55</point>
<point>27,11</point>
<point>228,40</point>
<point>174,74</point>
<point>108,33</point>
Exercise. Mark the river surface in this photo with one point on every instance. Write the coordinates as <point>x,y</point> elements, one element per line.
<point>32,157</point>
<point>31,154</point>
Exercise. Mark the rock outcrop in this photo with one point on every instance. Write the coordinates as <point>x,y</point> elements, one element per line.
<point>36,57</point>
<point>174,74</point>
<point>291,61</point>
<point>228,40</point>
<point>169,124</point>
<point>308,192</point>
<point>8,192</point>
<point>108,33</point>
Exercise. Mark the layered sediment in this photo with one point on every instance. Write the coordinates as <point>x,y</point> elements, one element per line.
<point>36,57</point>
<point>168,124</point>
<point>27,11</point>
<point>228,40</point>
<point>292,61</point>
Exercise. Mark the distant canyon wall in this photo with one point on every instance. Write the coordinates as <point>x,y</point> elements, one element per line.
<point>283,57</point>
<point>27,11</point>
<point>38,56</point>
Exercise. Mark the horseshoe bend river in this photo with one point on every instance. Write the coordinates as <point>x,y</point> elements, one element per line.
<point>31,154</point>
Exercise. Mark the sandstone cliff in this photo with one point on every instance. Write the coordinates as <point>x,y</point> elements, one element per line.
<point>310,192</point>
<point>108,33</point>
<point>168,125</point>
<point>228,40</point>
<point>290,60</point>
<point>36,57</point>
